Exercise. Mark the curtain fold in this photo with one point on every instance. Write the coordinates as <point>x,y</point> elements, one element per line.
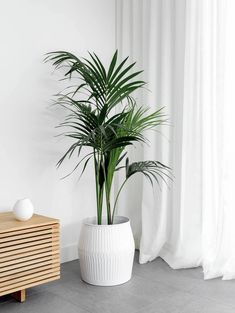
<point>186,51</point>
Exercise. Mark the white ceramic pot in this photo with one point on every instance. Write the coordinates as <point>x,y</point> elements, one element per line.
<point>23,209</point>
<point>106,252</point>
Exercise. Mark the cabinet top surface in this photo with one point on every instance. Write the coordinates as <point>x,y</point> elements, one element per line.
<point>8,222</point>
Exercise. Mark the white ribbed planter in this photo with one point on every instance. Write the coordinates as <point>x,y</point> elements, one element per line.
<point>106,252</point>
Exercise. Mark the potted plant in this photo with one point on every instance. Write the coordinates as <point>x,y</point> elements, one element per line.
<point>103,120</point>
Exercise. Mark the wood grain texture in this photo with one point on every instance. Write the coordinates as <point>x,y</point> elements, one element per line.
<point>52,245</point>
<point>30,245</point>
<point>48,267</point>
<point>29,253</point>
<point>29,285</point>
<point>23,258</point>
<point>9,223</point>
<point>22,279</point>
<point>29,230</point>
<point>12,238</point>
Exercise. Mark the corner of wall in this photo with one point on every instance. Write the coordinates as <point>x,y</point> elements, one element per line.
<point>69,253</point>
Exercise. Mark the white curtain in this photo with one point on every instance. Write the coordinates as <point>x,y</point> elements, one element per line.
<point>186,50</point>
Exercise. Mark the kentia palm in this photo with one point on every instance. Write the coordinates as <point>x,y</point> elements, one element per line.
<point>104,117</point>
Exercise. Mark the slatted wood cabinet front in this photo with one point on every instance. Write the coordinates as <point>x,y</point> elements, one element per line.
<point>29,252</point>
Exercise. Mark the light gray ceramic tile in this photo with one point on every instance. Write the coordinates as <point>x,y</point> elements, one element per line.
<point>203,305</point>
<point>120,304</point>
<point>184,302</point>
<point>45,302</point>
<point>216,289</point>
<point>159,271</point>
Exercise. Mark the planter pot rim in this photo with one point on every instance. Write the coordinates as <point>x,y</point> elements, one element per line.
<point>118,220</point>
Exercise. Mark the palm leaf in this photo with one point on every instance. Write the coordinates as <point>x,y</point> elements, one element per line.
<point>153,170</point>
<point>93,121</point>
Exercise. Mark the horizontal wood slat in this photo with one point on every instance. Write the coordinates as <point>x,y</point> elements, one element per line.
<point>29,267</point>
<point>28,230</point>
<point>29,285</point>
<point>29,281</point>
<point>33,234</point>
<point>30,244</point>
<point>50,249</point>
<point>39,269</point>
<point>52,245</point>
<point>28,258</point>
<point>25,240</point>
<point>31,262</point>
<point>21,279</point>
<point>29,252</point>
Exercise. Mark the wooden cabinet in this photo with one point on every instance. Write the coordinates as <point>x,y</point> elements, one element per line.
<point>29,253</point>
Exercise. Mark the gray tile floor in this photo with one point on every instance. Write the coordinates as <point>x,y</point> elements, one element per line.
<point>154,288</point>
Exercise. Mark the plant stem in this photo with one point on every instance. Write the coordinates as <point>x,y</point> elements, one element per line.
<point>100,206</point>
<point>96,186</point>
<point>116,200</point>
<point>99,191</point>
<point>107,194</point>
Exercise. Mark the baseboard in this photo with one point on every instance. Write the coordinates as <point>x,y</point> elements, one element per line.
<point>69,253</point>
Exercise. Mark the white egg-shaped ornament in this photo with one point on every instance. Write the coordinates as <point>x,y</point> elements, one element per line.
<point>23,210</point>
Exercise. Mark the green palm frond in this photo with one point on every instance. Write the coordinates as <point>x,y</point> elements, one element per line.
<point>107,89</point>
<point>103,116</point>
<point>152,170</point>
<point>140,119</point>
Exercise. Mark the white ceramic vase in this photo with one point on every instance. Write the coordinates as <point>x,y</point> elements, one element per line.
<point>106,252</point>
<point>23,209</point>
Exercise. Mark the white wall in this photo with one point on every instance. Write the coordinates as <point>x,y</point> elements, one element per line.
<point>28,148</point>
